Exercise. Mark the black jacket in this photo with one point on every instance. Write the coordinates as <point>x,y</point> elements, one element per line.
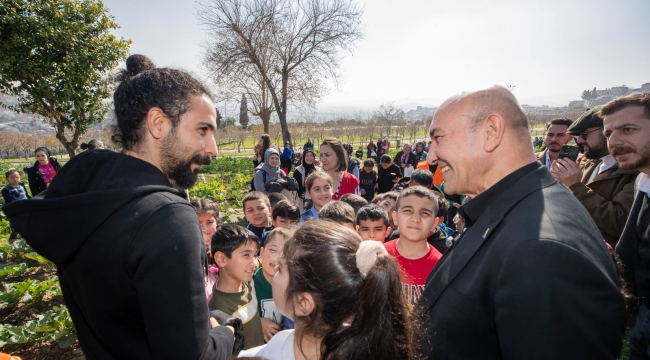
<point>412,159</point>
<point>530,279</point>
<point>628,246</point>
<point>129,254</point>
<point>35,179</point>
<point>385,179</point>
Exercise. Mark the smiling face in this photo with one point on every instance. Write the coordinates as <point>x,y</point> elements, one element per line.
<point>320,193</point>
<point>270,255</point>
<point>309,158</point>
<point>208,227</point>
<point>257,213</point>
<point>241,265</point>
<point>415,217</point>
<point>628,138</point>
<point>453,147</point>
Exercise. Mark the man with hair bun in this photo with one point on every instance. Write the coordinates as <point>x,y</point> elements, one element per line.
<point>127,243</point>
<point>530,277</point>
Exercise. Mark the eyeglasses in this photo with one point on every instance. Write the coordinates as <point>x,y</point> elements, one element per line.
<point>584,134</point>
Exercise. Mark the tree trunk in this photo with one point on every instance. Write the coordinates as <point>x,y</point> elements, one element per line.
<point>266,120</point>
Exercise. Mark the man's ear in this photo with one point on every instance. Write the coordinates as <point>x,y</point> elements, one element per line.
<point>304,304</point>
<point>394,216</point>
<point>156,122</point>
<point>493,128</point>
<point>220,259</point>
<point>261,250</point>
<point>388,229</point>
<point>357,228</point>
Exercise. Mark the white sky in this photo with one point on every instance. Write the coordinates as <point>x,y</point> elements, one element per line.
<point>423,51</point>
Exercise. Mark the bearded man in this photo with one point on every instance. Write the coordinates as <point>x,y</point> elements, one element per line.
<point>627,129</point>
<point>598,182</point>
<point>127,243</point>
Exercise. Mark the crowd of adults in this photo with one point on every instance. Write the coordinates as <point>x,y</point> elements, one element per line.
<point>526,269</point>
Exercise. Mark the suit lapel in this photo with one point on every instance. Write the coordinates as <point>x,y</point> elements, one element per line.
<point>457,258</point>
<point>454,261</point>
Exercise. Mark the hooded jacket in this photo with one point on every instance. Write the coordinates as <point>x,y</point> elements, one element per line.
<point>129,255</point>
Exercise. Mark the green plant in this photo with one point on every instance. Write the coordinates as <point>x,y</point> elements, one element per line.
<point>229,164</point>
<point>53,325</point>
<point>28,290</point>
<point>13,270</point>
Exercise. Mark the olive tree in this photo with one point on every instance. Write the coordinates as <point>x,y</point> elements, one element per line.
<point>55,56</point>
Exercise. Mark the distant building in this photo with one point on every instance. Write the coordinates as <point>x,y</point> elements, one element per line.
<point>602,97</point>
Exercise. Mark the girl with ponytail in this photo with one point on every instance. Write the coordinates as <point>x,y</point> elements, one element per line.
<point>344,296</point>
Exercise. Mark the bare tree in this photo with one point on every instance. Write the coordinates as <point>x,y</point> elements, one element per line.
<point>290,45</point>
<point>413,127</point>
<point>389,114</point>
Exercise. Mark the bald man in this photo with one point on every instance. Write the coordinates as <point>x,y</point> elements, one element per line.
<point>531,277</point>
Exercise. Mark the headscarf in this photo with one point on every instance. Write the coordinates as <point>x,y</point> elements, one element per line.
<point>267,168</point>
<point>308,167</point>
<point>405,156</point>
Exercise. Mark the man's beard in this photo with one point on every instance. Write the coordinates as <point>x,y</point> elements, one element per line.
<point>643,160</point>
<point>176,166</point>
<point>553,150</point>
<point>597,151</point>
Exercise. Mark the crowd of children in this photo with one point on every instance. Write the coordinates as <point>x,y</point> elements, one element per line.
<point>307,280</point>
<point>310,283</point>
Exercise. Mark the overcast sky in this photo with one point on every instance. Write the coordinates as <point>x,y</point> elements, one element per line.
<point>423,51</point>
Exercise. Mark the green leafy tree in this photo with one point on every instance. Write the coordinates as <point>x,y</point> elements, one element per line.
<point>55,56</point>
<point>243,112</point>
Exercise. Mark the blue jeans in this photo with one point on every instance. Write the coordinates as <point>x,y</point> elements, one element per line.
<point>640,337</point>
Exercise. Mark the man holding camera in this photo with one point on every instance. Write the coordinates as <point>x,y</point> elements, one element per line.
<point>605,190</point>
<point>556,136</point>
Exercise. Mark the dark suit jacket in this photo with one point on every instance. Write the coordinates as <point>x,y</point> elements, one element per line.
<point>531,279</point>
<point>626,249</point>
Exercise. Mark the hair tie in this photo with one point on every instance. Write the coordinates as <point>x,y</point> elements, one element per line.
<point>367,255</point>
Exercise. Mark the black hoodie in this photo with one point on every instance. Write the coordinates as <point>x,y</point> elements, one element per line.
<point>129,254</point>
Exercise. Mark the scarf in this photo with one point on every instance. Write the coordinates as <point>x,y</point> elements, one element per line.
<point>405,158</point>
<point>267,168</point>
<point>308,167</point>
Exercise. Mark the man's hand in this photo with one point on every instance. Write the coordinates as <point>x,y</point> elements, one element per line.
<point>566,172</point>
<point>269,328</point>
<point>456,205</point>
<point>396,180</point>
<point>362,191</point>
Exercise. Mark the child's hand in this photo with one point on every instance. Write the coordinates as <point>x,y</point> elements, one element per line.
<point>269,328</point>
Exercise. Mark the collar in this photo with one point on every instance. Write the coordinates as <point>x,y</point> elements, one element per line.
<point>473,209</point>
<point>606,162</point>
<point>644,183</point>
